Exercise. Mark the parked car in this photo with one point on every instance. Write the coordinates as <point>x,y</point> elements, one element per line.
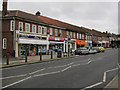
<point>81,51</point>
<point>102,49</point>
<point>97,49</point>
<point>92,50</point>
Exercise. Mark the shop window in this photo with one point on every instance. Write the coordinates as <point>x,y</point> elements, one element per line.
<point>12,25</point>
<point>27,27</point>
<point>51,31</point>
<point>21,26</point>
<point>34,28</point>
<point>40,29</point>
<point>60,32</point>
<point>56,32</point>
<point>4,43</point>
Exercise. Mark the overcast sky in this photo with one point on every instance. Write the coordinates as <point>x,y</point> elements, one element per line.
<point>102,16</point>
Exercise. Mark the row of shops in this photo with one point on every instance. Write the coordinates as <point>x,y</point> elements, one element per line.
<point>37,43</point>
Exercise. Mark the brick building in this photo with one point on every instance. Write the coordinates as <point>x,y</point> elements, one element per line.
<point>24,31</point>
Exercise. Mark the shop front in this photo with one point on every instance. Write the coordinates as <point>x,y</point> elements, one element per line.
<point>81,43</point>
<point>89,43</point>
<point>32,43</point>
<point>56,44</point>
<point>73,44</point>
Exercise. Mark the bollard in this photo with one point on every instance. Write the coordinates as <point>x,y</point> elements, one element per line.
<point>51,54</point>
<point>40,56</point>
<point>7,62</point>
<point>26,54</point>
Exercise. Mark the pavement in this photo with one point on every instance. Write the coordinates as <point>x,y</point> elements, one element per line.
<point>91,71</point>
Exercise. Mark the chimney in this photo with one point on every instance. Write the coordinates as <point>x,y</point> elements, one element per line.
<point>38,13</point>
<point>4,10</point>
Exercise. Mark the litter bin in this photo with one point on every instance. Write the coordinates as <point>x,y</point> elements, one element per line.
<point>59,54</point>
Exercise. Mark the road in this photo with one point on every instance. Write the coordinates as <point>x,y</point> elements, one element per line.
<point>86,71</point>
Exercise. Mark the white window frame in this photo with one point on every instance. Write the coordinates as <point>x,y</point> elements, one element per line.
<point>67,33</point>
<point>4,43</point>
<point>12,25</point>
<point>21,26</point>
<point>80,35</point>
<point>56,32</point>
<point>51,31</point>
<point>71,34</point>
<point>74,35</point>
<point>40,29</point>
<point>27,27</point>
<point>86,37</point>
<point>77,35</point>
<point>34,28</point>
<point>60,32</point>
<point>45,30</point>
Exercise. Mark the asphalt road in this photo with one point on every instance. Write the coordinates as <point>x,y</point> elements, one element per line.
<point>86,71</point>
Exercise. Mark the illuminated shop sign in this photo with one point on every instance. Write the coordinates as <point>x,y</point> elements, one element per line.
<point>33,37</point>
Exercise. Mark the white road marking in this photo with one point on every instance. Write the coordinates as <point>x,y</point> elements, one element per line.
<point>94,85</point>
<point>104,79</point>
<point>37,71</point>
<point>16,82</point>
<point>46,74</point>
<point>66,69</point>
<point>14,76</point>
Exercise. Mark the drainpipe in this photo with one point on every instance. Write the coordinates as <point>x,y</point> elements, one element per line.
<point>14,39</point>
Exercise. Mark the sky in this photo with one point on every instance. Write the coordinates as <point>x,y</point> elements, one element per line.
<point>98,15</point>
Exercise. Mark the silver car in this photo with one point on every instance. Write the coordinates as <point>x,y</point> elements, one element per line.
<point>84,51</point>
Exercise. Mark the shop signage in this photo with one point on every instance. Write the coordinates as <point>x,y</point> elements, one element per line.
<point>32,37</point>
<point>56,39</point>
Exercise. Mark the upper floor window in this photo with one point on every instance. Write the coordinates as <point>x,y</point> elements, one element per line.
<point>4,43</point>
<point>21,26</point>
<point>34,28</point>
<point>80,35</point>
<point>86,37</point>
<point>27,27</point>
<point>71,34</point>
<point>67,33</point>
<point>40,29</point>
<point>12,25</point>
<point>60,32</point>
<point>77,35</point>
<point>51,31</point>
<point>74,35</point>
<point>45,30</point>
<point>56,32</point>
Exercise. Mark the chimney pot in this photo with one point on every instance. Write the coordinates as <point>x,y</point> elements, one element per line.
<point>4,10</point>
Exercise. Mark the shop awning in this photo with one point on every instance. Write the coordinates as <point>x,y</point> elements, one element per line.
<point>81,42</point>
<point>30,41</point>
<point>52,42</point>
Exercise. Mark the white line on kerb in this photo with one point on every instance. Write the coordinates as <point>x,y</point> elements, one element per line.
<point>16,82</point>
<point>14,76</point>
